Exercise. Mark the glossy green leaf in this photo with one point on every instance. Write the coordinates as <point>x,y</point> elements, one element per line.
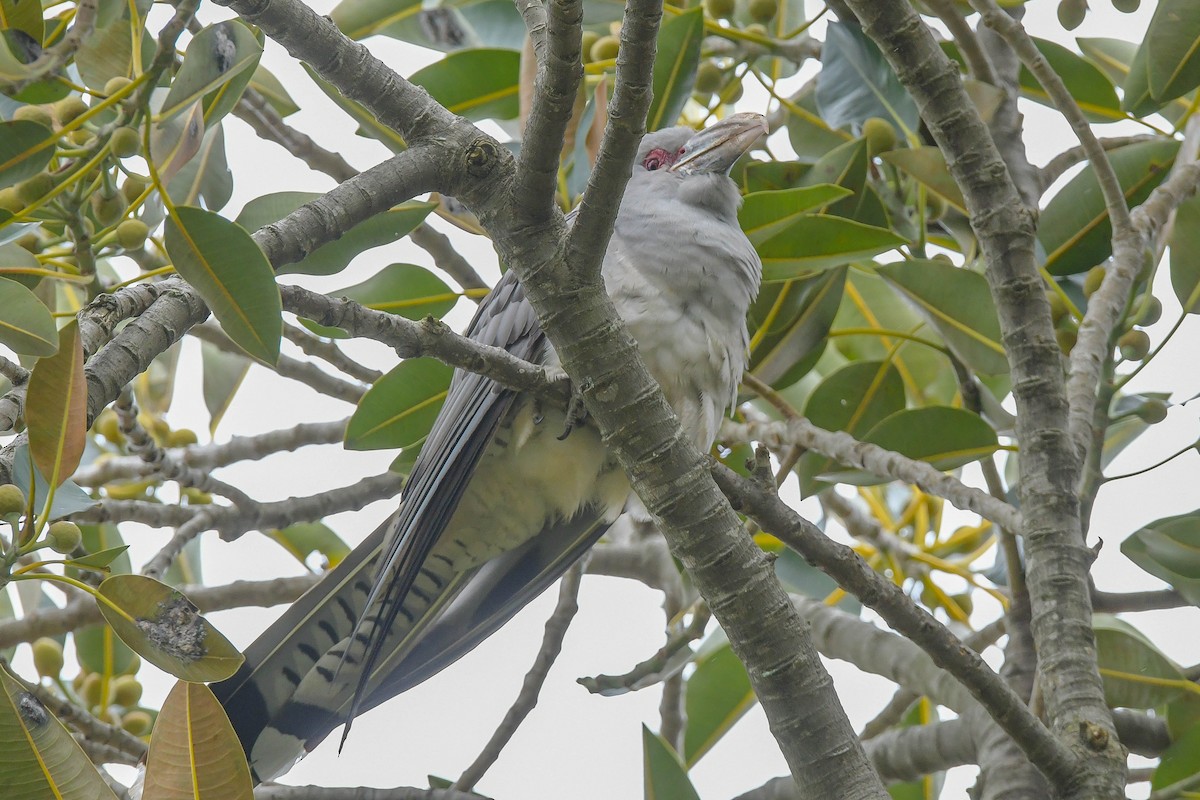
<point>943,436</point>
<point>675,67</point>
<point>665,775</point>
<point>223,373</point>
<point>478,84</point>
<point>166,629</point>
<point>108,53</point>
<point>22,16</point>
<point>957,302</point>
<point>176,141</point>
<point>764,214</point>
<point>305,538</point>
<point>764,176</point>
<point>40,759</point>
<point>99,560</point>
<point>811,137</point>
<point>1169,548</point>
<point>799,577</point>
<point>368,125</point>
<point>271,88</point>
<point>68,499</point>
<point>25,150</point>
<point>20,265</point>
<point>854,398</point>
<point>1125,63</point>
<point>1135,673</point>
<point>1185,255</point>
<point>98,649</point>
<point>333,257</point>
<point>56,408</point>
<point>194,752</point>
<point>361,18</point>
<point>1088,85</point>
<point>405,289</point>
<point>820,242</point>
<point>927,166</point>
<point>790,322</point>
<point>25,324</point>
<point>857,83</point>
<point>1172,46</point>
<point>214,57</point>
<point>400,408</point>
<point>845,166</point>
<point>716,696</point>
<point>1074,227</point>
<point>230,272</point>
<point>1180,762</point>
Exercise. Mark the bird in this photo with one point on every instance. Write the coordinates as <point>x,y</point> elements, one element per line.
<point>500,502</point>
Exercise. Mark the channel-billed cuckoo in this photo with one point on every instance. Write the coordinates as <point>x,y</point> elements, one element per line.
<point>498,505</point>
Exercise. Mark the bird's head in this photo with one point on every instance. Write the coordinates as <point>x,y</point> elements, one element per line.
<point>711,151</point>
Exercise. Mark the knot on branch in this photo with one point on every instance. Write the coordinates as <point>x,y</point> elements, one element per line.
<point>481,157</point>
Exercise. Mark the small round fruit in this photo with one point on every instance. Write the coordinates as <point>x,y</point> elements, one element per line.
<point>1153,310</point>
<point>1066,339</point>
<point>132,233</point>
<point>1134,344</point>
<point>1126,6</point>
<point>31,242</point>
<point>90,692</point>
<point>589,41</point>
<point>133,187</point>
<point>126,690</point>
<point>1153,411</point>
<point>33,189</point>
<point>605,48</point>
<point>69,108</point>
<point>709,77</point>
<point>135,663</point>
<point>720,9</point>
<point>125,142</point>
<point>880,135</point>
<point>1091,283</point>
<point>64,536</point>
<point>757,29</point>
<point>115,85</point>
<point>1071,13</point>
<point>137,722</point>
<point>107,424</point>
<point>12,499</point>
<point>81,137</point>
<point>1058,306</point>
<point>9,201</point>
<point>763,10</point>
<point>108,210</point>
<point>47,657</point>
<point>39,114</point>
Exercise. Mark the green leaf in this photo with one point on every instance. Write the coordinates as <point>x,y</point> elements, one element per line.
<point>176,141</point>
<point>108,53</point>
<point>927,166</point>
<point>25,150</point>
<point>230,272</point>
<point>305,538</point>
<point>56,409</point>
<point>400,408</point>
<point>957,302</point>
<point>762,176</point>
<point>166,629</point>
<point>194,752</point>
<point>205,176</point>
<point>811,136</point>
<point>1185,255</point>
<point>1172,46</point>
<point>99,650</point>
<point>1088,85</point>
<point>675,67</point>
<point>846,166</point>
<point>820,242</point>
<point>1169,548</point>
<point>214,57</point>
<point>791,321</point>
<point>25,324</point>
<point>405,289</point>
<point>333,257</point>
<point>857,83</point>
<point>223,375</point>
<point>68,499</point>
<point>20,265</point>
<point>944,437</point>
<point>22,16</point>
<point>665,775</point>
<point>271,88</point>
<point>1179,762</point>
<point>717,694</point>
<point>41,758</point>
<point>1135,673</point>
<point>764,214</point>
<point>800,577</point>
<point>359,19</point>
<point>99,560</point>
<point>368,125</point>
<point>478,84</point>
<point>1126,427</point>
<point>1074,227</point>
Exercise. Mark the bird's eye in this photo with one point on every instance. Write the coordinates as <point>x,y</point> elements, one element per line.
<point>657,159</point>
